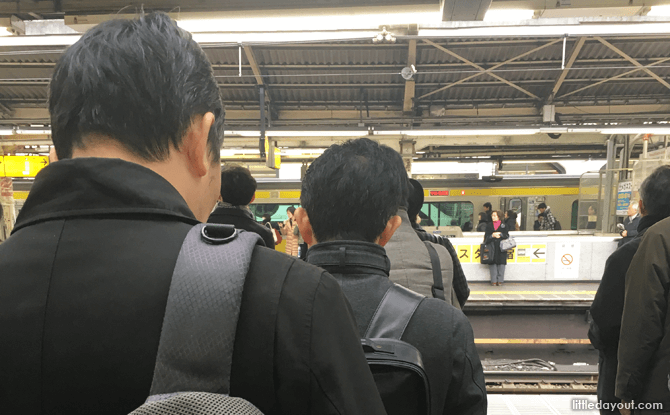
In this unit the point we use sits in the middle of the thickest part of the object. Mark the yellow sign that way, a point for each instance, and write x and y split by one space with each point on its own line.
22 166
523 254
270 150
464 253
538 253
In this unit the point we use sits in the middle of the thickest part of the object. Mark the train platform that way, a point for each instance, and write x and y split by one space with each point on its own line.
523 292
551 404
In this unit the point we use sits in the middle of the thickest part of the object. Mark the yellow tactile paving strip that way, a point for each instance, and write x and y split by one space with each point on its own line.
532 295
532 341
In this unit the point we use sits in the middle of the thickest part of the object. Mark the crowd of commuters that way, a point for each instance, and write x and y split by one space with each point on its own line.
88 268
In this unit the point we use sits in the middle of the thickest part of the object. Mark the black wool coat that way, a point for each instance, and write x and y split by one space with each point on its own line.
85 279
499 257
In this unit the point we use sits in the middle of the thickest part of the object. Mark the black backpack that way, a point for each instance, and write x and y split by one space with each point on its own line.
396 366
557 226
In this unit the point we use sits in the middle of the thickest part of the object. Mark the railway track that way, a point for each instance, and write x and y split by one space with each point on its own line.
541 382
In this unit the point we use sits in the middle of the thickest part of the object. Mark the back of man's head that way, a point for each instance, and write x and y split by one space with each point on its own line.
488 206
352 190
238 186
415 200
141 82
655 193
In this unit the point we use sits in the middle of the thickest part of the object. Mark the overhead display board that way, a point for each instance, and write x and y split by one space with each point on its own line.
22 166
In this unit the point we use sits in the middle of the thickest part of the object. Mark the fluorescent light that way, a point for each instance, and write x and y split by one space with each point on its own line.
418 133
302 151
542 29
32 132
315 20
659 11
271 134
508 15
637 130
286 37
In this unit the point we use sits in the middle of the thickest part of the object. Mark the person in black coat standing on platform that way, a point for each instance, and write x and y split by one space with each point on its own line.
608 304
238 189
350 197
496 231
510 221
85 276
483 221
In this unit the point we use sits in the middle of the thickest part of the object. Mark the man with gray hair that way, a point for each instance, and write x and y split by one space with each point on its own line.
630 224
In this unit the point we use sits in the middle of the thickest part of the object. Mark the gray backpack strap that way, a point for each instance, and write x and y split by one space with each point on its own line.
393 313
196 345
438 285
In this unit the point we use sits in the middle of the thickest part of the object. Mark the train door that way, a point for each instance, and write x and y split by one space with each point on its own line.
516 205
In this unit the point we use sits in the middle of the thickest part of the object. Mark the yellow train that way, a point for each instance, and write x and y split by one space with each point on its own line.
452 202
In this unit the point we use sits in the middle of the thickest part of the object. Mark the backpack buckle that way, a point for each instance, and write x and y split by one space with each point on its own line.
218 234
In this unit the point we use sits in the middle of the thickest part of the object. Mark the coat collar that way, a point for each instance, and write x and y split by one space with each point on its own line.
100 186
230 210
350 257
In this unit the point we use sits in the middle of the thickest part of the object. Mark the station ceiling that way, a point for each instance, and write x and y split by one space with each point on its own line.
460 83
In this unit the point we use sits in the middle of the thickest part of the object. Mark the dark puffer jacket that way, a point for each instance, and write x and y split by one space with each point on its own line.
644 347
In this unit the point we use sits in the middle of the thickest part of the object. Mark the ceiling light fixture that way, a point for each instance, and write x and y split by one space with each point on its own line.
508 15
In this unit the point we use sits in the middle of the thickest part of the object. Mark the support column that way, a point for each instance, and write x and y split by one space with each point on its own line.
609 184
407 152
7 205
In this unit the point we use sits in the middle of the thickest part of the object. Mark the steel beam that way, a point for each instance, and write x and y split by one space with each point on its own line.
633 61
573 58
248 51
457 56
613 78
410 84
491 69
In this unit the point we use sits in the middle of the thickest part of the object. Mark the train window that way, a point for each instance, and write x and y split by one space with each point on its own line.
446 213
574 215
276 210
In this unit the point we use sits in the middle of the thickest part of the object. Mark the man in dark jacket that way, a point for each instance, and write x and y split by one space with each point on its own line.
608 304
630 223
238 189
137 121
644 340
347 223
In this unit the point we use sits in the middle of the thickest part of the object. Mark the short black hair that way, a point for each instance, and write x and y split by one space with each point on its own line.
542 206
140 81
353 189
655 192
415 200
237 185
488 206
